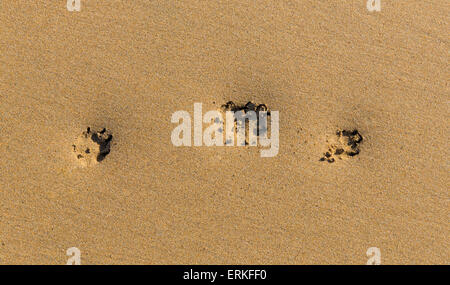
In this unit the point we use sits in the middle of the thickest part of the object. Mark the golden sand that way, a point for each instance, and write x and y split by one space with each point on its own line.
128 65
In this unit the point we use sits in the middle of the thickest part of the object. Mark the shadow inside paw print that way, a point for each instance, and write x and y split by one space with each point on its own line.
103 139
92 146
345 144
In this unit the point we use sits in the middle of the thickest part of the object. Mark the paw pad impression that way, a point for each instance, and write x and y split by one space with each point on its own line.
92 147
344 145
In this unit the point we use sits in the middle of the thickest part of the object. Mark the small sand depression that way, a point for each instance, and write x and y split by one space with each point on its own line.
343 145
91 147
250 106
262 127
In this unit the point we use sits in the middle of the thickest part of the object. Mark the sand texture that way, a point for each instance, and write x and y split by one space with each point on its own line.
135 198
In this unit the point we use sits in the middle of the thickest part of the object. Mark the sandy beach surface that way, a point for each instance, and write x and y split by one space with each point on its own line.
127 66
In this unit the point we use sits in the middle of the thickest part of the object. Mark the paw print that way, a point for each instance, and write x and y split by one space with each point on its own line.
249 106
92 147
344 145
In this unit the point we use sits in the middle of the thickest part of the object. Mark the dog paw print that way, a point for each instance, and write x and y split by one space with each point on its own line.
92 147
261 126
343 145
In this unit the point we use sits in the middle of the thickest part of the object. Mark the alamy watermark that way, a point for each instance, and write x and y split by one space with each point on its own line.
235 129
75 256
374 5
374 254
73 5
